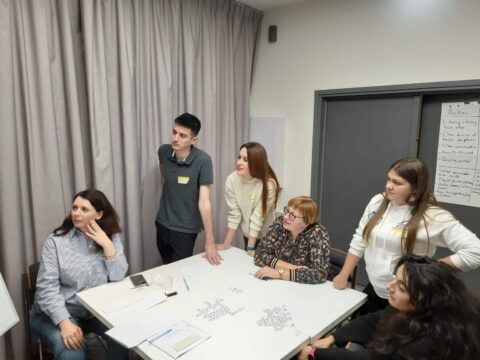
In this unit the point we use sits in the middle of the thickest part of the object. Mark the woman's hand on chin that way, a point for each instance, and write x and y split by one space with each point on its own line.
96 233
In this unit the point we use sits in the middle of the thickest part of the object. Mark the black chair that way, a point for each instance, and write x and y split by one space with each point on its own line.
35 350
337 259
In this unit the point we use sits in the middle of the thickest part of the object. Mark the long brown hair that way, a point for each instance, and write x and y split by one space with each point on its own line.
108 222
414 171
260 168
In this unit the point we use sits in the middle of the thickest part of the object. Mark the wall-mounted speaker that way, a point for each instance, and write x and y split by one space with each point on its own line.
272 33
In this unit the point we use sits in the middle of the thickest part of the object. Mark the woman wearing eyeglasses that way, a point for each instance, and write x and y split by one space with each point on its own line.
251 193
296 247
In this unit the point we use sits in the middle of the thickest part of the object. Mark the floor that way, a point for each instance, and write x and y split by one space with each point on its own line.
96 350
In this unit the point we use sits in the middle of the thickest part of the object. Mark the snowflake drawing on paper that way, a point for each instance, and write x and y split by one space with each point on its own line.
278 317
236 290
216 310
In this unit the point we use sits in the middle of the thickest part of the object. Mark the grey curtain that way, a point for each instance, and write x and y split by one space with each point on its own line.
89 91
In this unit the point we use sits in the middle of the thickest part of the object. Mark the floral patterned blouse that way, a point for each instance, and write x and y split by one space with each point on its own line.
311 248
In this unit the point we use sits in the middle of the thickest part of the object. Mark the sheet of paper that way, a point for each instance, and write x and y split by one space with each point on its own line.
138 300
178 339
8 315
457 177
140 326
189 271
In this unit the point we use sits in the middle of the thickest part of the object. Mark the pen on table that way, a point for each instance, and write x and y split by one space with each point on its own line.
159 335
186 284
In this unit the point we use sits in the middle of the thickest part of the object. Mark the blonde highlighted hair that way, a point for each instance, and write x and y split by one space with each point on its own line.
307 207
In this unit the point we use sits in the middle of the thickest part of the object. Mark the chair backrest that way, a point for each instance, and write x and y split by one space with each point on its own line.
32 280
29 285
337 259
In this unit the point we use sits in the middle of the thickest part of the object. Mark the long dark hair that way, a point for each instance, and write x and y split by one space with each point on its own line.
109 221
445 314
415 171
260 168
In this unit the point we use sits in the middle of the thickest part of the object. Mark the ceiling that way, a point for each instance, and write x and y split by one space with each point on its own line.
268 4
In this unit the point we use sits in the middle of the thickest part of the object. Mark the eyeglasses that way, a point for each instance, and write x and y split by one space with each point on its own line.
290 214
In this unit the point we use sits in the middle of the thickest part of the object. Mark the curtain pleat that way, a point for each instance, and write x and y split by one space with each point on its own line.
42 138
90 89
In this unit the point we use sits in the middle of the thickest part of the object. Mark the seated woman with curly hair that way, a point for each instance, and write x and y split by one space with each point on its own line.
431 316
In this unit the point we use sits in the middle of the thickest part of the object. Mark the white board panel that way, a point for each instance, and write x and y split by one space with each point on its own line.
8 315
270 132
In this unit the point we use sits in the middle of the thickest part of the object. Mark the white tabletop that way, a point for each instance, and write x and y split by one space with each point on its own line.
247 318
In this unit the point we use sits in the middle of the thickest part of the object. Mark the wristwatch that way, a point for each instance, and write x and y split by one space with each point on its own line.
281 271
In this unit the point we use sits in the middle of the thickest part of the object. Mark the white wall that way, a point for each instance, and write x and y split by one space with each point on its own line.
270 132
328 44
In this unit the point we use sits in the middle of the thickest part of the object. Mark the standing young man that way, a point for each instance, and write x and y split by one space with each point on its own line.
185 206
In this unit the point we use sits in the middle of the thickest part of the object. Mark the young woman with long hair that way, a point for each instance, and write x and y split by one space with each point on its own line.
405 220
431 316
251 193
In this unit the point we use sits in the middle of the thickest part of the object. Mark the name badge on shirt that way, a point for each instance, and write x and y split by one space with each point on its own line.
183 179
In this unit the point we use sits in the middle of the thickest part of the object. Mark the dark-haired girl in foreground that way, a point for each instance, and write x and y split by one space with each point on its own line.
84 252
431 316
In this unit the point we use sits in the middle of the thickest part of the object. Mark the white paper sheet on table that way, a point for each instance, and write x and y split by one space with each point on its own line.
139 299
189 271
140 327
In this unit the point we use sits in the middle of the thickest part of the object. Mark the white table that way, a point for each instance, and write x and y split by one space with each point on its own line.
256 329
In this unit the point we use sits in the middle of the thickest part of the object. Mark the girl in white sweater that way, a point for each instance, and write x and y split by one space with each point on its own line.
405 220
251 193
